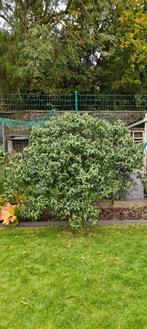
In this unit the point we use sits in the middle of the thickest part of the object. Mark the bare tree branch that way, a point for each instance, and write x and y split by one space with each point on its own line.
46 7
5 18
68 6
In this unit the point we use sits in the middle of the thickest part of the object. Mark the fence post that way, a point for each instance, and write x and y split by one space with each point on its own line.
76 101
145 140
3 137
4 147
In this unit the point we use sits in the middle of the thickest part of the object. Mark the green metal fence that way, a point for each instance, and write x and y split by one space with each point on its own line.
20 113
72 102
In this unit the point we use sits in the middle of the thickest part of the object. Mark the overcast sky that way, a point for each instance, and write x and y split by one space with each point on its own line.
61 6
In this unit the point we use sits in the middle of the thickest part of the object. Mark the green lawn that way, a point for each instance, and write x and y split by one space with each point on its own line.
51 279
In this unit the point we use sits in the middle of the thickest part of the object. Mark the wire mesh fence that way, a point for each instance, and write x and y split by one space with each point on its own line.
47 102
19 113
72 102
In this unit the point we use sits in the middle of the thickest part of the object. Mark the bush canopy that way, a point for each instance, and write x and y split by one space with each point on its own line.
71 163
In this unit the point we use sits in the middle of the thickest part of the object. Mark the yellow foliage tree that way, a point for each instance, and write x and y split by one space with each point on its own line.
131 51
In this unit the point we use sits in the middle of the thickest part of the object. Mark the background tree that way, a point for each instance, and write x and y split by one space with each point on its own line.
131 52
89 45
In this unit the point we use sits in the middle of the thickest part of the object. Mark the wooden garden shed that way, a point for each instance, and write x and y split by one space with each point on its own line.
138 130
17 143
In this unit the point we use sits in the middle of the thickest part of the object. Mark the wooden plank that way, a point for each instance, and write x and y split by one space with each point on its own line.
122 204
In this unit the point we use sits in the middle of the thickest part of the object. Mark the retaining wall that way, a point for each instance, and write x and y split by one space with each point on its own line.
125 116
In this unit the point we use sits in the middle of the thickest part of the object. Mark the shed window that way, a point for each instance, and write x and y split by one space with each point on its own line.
137 135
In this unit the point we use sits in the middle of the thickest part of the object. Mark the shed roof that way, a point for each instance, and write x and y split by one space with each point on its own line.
136 123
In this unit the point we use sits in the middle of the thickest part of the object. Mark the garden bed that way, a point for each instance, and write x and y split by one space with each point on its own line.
122 214
123 210
109 210
115 210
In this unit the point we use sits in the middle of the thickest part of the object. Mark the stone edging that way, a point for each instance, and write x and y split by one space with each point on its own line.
66 224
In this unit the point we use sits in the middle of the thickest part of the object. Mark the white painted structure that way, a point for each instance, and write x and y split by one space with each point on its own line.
138 130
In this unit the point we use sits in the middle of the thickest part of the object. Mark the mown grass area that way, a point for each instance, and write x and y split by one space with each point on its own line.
94 279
